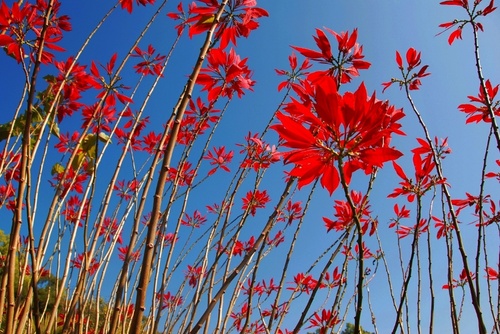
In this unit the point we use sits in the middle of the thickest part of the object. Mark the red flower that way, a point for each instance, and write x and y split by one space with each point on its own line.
239 19
349 56
219 158
404 231
255 200
193 274
492 274
240 316
337 278
126 191
181 15
21 29
295 74
304 283
366 253
409 78
493 174
127 4
259 154
67 143
150 142
110 89
168 300
134 256
472 12
345 217
326 321
182 176
109 229
6 192
226 74
352 128
422 183
461 281
442 226
195 221
92 264
292 212
74 80
72 182
150 64
218 209
481 112
72 211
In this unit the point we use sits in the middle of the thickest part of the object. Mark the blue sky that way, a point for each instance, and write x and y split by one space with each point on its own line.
383 27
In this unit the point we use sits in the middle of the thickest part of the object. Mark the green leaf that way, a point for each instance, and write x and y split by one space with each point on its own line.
57 169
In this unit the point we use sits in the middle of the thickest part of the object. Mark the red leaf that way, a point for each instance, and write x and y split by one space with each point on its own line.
399 60
5 39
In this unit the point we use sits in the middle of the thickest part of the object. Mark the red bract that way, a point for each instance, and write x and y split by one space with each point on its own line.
193 274
194 221
73 80
255 200
470 201
295 74
91 266
73 212
168 300
238 19
324 322
365 251
335 280
481 112
345 217
151 65
134 256
182 16
198 118
219 158
259 154
226 74
443 227
218 209
126 191
492 217
461 281
6 193
276 240
67 143
349 56
404 231
473 13
150 142
98 118
494 174
21 29
127 4
72 182
351 129
440 147
422 183
240 316
291 212
303 283
410 79
110 88
492 274
182 176
109 229
461 3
